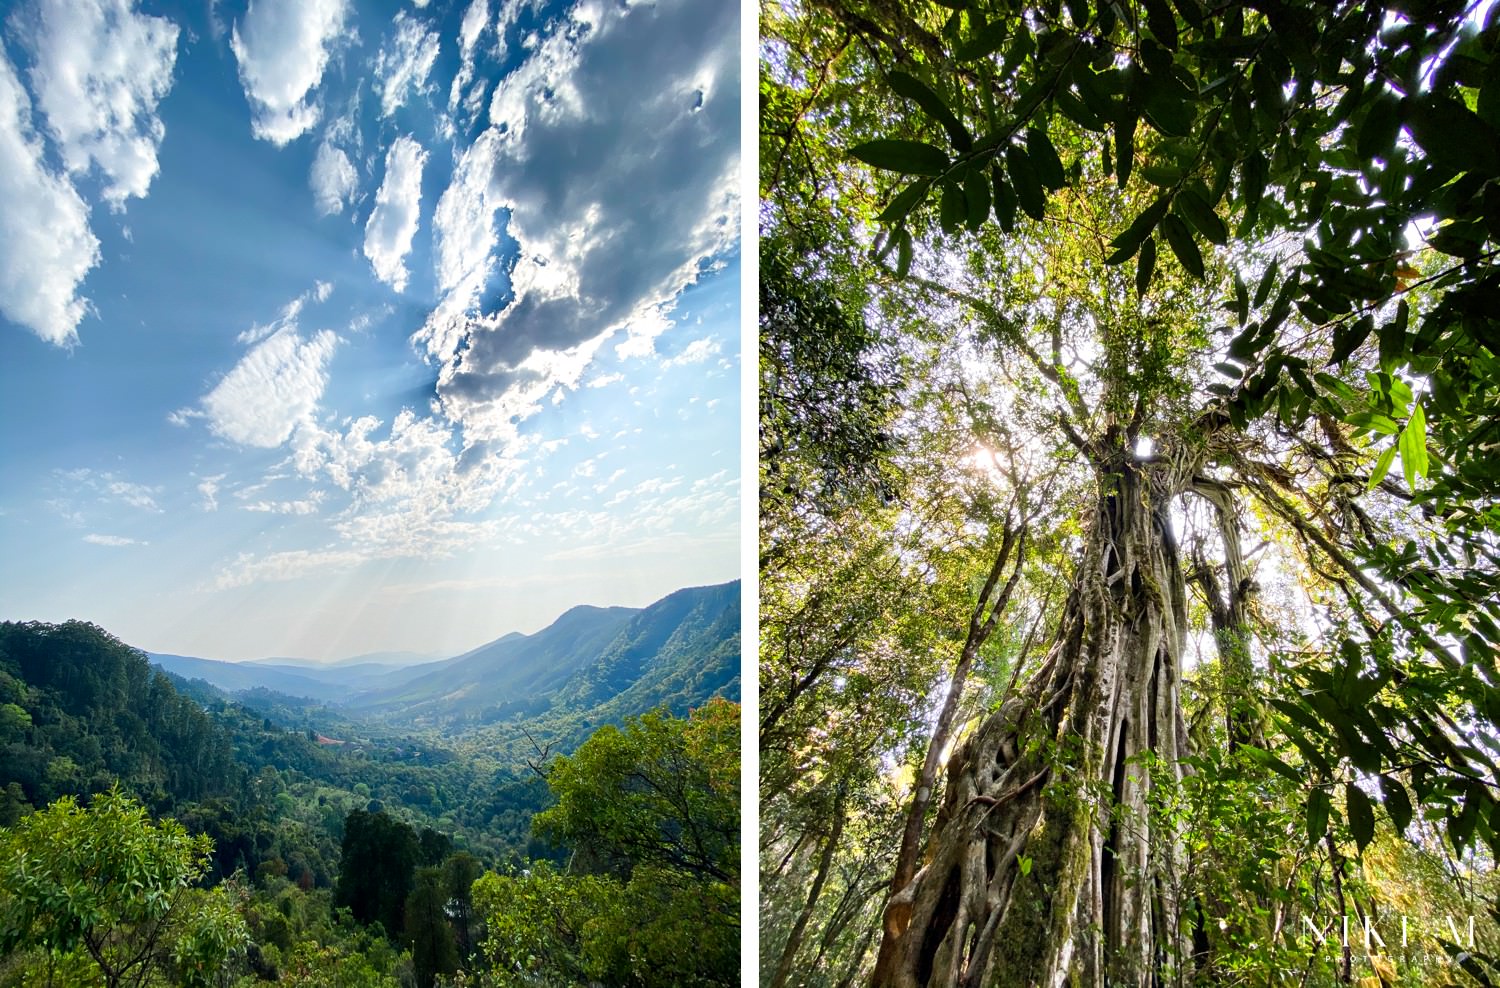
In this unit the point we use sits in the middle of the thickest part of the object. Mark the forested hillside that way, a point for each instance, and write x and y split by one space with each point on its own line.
314 846
1129 402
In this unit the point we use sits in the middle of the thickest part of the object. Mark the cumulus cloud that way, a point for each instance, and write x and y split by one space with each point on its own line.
615 150
282 47
333 180
111 540
398 207
100 70
274 388
46 246
404 62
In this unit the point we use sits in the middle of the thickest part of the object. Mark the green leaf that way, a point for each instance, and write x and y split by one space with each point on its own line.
1377 135
955 210
977 195
1347 337
1191 206
1267 279
1145 266
1141 227
1253 175
1167 112
908 157
1124 148
1163 175
1382 467
1361 815
1078 111
1396 803
905 201
1028 187
1317 815
1181 242
1452 135
1375 421
903 253
1413 446
918 92
1241 299
1393 337
1049 168
1162 23
1005 200
990 39
1234 371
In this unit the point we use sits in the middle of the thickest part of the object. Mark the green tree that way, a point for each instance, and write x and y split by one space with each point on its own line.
380 854
651 896
433 951
106 888
662 791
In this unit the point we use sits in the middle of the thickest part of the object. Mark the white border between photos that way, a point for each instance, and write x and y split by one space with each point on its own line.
749 496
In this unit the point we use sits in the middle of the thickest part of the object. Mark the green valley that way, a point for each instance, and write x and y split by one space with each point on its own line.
545 809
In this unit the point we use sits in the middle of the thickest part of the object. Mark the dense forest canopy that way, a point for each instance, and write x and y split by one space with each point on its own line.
161 834
1130 588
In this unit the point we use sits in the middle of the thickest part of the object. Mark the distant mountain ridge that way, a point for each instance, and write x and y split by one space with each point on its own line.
592 662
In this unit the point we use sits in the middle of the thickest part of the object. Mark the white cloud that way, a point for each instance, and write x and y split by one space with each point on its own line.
694 353
111 540
280 566
274 388
333 180
100 71
393 222
303 506
135 495
287 318
615 148
46 247
476 19
208 487
403 64
282 47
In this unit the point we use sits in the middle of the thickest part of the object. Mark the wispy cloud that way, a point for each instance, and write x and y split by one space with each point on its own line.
694 353
117 541
404 62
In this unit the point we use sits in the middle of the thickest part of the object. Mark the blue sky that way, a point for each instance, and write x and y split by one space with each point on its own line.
328 328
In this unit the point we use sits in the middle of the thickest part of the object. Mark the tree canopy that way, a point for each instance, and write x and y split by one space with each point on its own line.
1133 649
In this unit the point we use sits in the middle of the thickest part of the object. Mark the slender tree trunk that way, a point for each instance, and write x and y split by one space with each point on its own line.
982 623
1043 867
1229 612
794 939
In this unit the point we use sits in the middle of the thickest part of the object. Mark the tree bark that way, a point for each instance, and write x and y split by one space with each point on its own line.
1043 867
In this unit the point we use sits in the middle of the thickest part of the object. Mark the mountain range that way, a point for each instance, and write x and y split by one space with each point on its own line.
594 662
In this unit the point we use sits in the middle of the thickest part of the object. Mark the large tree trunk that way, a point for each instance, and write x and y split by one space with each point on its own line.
1043 866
